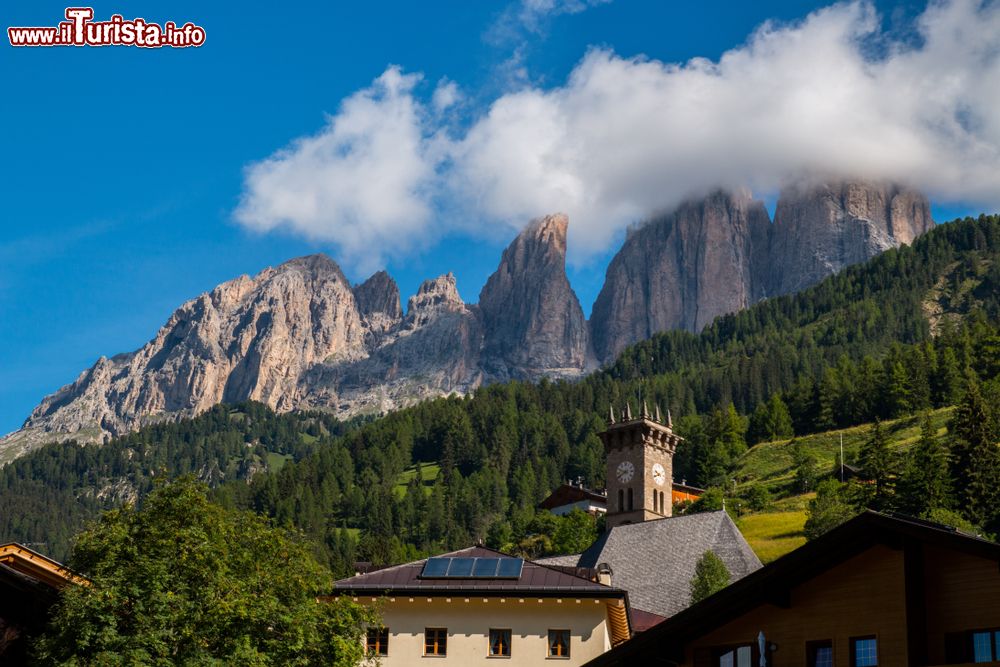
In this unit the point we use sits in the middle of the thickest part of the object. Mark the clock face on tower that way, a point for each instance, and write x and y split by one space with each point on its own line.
659 474
625 472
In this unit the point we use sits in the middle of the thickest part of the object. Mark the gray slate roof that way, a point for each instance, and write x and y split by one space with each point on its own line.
655 560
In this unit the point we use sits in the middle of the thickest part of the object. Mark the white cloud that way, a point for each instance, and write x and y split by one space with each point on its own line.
532 13
446 95
364 182
626 136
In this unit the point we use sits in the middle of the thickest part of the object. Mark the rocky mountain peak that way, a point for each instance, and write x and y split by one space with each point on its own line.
437 293
316 265
824 225
681 270
531 317
379 294
378 305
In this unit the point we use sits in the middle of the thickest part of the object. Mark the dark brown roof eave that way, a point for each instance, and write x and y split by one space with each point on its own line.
443 591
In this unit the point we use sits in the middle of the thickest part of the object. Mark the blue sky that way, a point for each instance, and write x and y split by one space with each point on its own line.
122 167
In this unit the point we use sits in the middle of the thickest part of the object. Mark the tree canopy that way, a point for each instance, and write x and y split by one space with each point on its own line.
710 576
181 580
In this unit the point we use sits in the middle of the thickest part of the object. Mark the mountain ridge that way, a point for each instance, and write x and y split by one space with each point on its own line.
300 336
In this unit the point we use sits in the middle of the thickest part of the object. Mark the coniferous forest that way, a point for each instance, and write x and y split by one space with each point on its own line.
911 331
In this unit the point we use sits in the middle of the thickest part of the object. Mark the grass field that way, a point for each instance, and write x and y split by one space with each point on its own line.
428 471
773 534
276 461
772 464
779 530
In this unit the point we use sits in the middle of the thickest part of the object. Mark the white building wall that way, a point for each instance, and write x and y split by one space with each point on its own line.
469 620
588 506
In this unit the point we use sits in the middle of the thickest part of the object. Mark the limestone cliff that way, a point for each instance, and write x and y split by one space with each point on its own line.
821 227
532 320
248 338
682 270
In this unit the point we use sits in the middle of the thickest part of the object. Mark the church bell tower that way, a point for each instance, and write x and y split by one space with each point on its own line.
640 455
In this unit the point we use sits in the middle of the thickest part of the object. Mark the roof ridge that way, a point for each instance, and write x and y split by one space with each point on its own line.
556 568
450 554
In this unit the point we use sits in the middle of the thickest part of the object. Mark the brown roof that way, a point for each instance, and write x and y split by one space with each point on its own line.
536 580
567 494
644 620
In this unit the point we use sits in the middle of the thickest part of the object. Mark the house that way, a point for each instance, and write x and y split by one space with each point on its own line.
29 586
878 590
471 606
569 497
647 551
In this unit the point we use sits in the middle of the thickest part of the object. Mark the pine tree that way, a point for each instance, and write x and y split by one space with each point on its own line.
982 495
947 381
898 395
974 424
828 509
926 483
827 394
710 576
977 464
770 421
877 461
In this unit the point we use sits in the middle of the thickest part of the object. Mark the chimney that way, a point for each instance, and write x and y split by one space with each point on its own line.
604 574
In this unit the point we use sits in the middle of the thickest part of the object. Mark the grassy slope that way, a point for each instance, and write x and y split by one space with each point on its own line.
780 529
775 533
428 472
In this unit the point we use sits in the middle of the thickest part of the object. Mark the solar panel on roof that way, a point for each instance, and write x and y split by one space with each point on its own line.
461 567
436 567
510 568
472 568
485 567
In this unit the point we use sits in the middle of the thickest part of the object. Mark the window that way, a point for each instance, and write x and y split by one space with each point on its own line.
982 647
631 505
735 656
974 646
500 642
662 505
621 500
864 652
559 643
435 641
819 653
378 641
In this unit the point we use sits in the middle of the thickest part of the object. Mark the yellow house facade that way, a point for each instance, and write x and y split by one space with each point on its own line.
475 615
